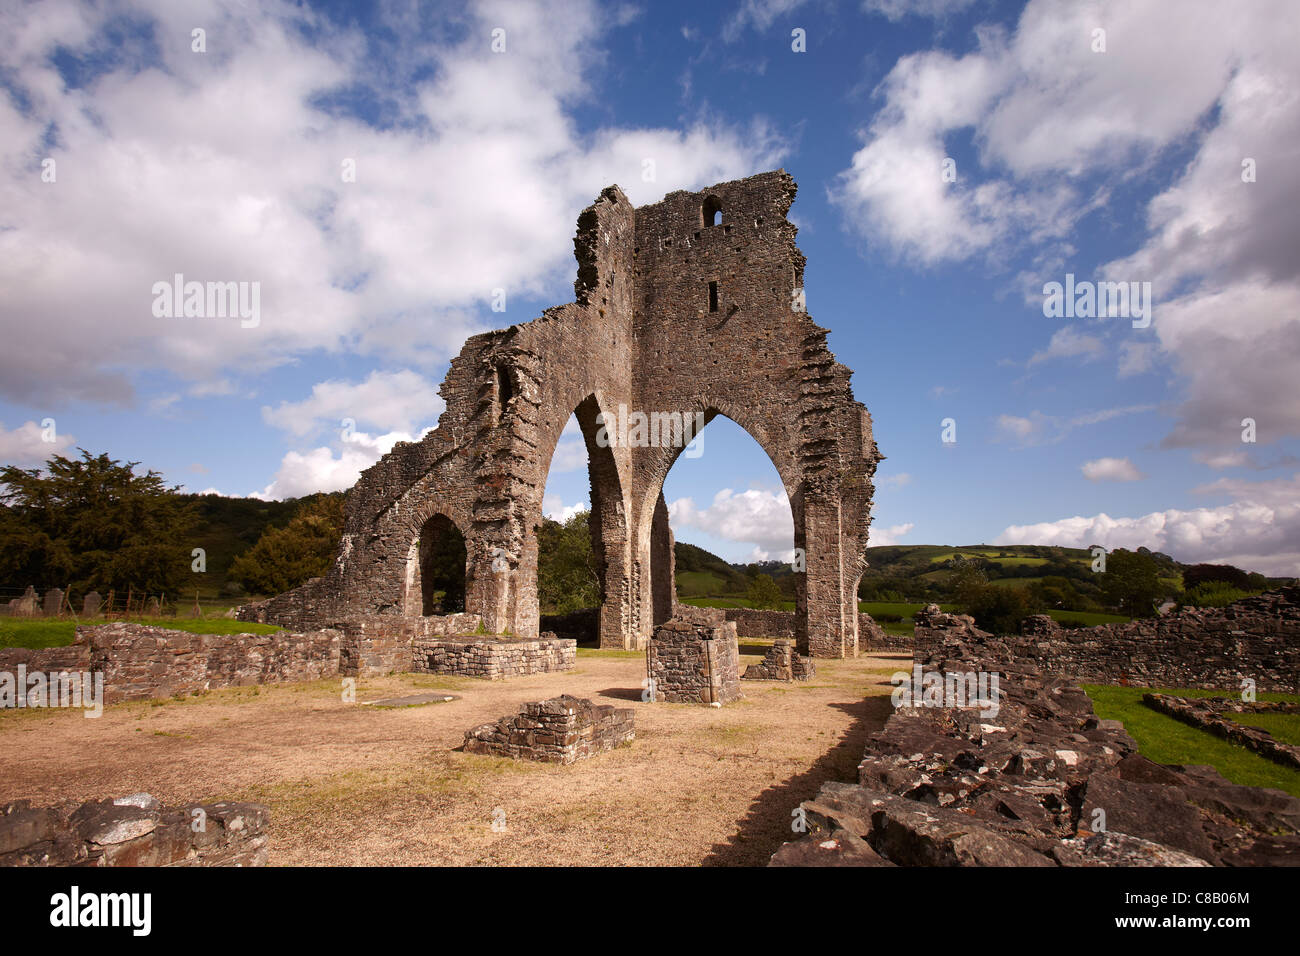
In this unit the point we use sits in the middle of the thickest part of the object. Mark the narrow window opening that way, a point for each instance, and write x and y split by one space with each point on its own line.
505 389
713 297
711 211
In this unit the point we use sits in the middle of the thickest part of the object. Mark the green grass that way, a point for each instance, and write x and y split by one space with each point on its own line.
1165 740
56 632
1285 728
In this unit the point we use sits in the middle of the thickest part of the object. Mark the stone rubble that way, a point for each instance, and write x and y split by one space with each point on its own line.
954 786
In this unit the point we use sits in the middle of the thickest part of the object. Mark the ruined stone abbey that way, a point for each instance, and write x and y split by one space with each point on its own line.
690 306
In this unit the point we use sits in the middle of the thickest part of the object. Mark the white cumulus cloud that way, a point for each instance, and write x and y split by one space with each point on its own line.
1111 469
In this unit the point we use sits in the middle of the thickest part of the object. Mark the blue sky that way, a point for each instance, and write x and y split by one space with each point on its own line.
1111 156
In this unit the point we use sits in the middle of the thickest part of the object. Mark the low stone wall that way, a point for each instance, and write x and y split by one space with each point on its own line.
133 831
494 658
1207 713
561 730
1212 648
1035 780
695 663
781 663
139 662
780 624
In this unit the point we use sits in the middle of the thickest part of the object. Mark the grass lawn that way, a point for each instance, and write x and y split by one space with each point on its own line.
1165 740
35 632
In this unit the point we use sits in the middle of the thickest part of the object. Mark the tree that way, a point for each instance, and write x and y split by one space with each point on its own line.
1131 582
94 524
284 558
1213 594
763 593
1194 574
566 566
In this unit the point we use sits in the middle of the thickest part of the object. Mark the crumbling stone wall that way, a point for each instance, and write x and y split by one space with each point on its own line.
1257 638
781 662
561 730
133 831
695 663
494 658
675 314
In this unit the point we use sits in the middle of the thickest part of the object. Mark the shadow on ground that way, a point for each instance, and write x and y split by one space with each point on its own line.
767 823
622 693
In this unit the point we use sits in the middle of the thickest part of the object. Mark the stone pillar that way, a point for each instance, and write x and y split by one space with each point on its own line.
824 579
695 663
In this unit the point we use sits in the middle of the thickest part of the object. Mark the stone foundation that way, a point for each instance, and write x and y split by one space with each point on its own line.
494 658
1214 648
561 730
133 831
694 663
1208 713
781 663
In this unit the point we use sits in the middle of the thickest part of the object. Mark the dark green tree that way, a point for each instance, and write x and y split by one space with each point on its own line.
1131 582
763 593
284 558
93 523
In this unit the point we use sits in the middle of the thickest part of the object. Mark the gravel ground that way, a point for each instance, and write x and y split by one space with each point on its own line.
359 785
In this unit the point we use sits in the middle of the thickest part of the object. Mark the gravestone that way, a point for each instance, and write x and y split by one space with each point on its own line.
53 602
90 604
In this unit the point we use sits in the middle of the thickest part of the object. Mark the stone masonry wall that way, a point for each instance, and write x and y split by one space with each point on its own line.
695 663
141 662
1257 637
133 831
561 730
494 658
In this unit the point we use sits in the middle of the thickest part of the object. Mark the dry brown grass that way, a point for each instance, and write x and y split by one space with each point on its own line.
356 785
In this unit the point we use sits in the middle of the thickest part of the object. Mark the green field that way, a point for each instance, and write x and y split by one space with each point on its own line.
56 632
1165 740
1011 561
